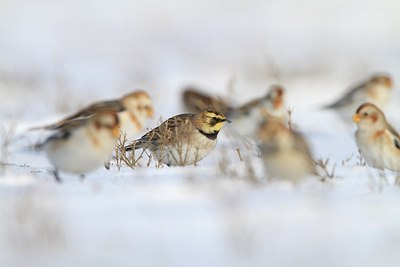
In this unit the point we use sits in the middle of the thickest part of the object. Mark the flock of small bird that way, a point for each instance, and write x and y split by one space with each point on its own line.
84 141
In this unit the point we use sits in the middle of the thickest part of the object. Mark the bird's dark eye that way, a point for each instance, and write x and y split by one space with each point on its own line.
365 114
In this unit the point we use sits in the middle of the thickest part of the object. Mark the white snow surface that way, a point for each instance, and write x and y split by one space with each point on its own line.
57 56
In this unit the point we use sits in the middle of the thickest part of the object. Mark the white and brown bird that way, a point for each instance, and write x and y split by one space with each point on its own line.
377 141
285 153
82 145
133 109
184 139
375 90
245 118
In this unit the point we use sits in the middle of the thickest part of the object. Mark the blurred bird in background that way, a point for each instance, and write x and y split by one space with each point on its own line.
285 153
195 100
80 146
246 118
132 109
375 90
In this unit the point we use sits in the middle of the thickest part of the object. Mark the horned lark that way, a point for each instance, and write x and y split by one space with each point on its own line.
246 118
285 153
133 109
183 139
196 101
377 141
82 145
375 90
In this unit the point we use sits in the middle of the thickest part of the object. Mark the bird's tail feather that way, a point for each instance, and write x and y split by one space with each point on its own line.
135 145
48 127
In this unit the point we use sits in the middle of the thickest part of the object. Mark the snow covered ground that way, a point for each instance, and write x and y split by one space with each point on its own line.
57 56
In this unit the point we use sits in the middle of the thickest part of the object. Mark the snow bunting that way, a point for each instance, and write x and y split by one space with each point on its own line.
133 109
82 145
247 118
196 101
285 153
375 90
183 139
377 141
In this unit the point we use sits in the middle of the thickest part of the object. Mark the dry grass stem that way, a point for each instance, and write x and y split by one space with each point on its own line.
246 172
239 154
360 160
322 169
290 118
7 135
347 160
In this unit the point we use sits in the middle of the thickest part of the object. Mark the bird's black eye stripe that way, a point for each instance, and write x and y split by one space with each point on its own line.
215 120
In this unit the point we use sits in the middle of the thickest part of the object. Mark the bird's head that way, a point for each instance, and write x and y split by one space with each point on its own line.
211 121
139 103
369 117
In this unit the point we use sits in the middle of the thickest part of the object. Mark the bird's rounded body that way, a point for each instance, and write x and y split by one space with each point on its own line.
187 151
377 154
285 153
80 154
83 147
184 139
287 164
378 142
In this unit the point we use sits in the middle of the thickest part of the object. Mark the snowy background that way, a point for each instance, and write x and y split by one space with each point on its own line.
57 56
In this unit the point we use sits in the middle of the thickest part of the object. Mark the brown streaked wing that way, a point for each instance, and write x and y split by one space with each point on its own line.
168 129
396 135
111 105
348 97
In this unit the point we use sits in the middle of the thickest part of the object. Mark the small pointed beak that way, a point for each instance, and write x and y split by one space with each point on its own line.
228 121
278 102
356 118
389 83
150 113
115 131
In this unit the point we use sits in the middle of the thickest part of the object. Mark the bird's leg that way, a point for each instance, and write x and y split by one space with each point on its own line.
82 177
107 165
397 181
383 177
56 176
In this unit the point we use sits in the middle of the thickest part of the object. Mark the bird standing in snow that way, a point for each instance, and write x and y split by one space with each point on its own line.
285 153
377 141
184 139
82 145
